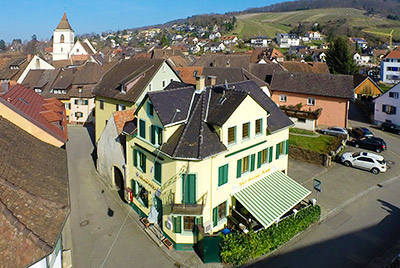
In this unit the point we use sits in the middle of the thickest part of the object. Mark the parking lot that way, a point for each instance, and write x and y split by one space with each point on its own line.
341 185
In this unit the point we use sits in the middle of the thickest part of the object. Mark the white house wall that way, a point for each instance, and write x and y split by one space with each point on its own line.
384 99
35 64
110 152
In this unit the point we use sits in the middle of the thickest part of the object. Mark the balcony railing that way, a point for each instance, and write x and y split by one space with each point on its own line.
181 208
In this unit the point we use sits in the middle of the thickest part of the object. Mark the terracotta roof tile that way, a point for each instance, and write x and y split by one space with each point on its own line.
121 117
395 54
30 105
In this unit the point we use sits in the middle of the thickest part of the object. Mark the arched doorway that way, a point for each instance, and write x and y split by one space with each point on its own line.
119 182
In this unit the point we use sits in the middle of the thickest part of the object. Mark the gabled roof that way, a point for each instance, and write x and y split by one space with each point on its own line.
64 24
265 71
306 67
188 74
123 72
34 200
12 68
394 54
329 85
199 111
32 106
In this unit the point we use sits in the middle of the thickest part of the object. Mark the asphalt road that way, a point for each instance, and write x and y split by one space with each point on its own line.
350 239
96 238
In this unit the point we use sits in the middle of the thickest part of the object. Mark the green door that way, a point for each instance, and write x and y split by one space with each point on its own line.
189 189
159 208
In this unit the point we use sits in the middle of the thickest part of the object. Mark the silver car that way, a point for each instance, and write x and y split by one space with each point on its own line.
335 131
364 160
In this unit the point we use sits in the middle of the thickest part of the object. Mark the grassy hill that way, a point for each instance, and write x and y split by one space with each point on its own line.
348 21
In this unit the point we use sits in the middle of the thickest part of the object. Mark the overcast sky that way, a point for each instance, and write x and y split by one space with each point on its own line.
21 19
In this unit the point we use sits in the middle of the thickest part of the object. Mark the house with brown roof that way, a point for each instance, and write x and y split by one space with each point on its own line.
43 118
306 67
82 50
73 86
230 60
111 147
34 199
126 84
325 96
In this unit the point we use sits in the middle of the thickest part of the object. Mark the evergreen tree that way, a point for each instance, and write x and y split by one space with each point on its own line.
2 45
339 59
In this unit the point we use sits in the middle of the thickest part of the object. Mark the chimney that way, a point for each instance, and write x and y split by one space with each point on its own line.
213 80
200 82
228 64
28 57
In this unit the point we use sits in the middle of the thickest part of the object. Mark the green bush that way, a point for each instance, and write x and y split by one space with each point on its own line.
238 248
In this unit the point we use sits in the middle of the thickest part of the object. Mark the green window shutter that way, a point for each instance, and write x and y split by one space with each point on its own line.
135 157
153 134
252 162
239 168
192 188
133 187
142 129
157 172
86 102
76 102
277 151
223 175
259 159
144 163
215 216
177 224
287 147
270 158
220 175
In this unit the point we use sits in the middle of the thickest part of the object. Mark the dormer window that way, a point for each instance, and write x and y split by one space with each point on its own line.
123 89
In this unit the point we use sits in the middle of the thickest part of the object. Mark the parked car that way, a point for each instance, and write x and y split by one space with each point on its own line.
361 132
335 131
373 143
387 126
368 161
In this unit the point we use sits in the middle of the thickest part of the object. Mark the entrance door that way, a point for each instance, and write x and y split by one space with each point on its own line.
119 182
159 209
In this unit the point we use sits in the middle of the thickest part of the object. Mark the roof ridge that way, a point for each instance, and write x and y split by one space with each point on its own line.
190 119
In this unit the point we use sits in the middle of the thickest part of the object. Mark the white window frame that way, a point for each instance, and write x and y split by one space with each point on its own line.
311 101
283 98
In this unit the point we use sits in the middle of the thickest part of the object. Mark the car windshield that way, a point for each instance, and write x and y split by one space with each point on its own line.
355 155
381 162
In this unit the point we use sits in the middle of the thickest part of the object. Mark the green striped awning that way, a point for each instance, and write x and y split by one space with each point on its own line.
271 197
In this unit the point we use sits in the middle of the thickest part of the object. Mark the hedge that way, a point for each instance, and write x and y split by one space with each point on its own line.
238 248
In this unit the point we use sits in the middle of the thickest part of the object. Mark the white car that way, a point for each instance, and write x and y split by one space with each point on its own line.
368 161
335 131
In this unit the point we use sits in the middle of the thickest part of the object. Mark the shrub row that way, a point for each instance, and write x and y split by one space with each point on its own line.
238 248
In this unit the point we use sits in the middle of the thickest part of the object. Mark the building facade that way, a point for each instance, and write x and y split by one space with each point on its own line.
390 68
386 106
196 150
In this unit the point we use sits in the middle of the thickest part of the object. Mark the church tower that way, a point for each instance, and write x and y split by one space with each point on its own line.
63 39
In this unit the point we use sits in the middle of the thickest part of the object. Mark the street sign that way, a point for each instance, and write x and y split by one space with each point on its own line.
317 185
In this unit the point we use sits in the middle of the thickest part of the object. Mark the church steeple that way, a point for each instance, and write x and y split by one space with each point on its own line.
64 24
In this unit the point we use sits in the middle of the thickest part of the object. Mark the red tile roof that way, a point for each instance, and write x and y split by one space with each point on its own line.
395 54
188 74
121 117
38 110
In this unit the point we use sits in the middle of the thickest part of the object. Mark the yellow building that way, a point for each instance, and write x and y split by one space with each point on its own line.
126 84
199 156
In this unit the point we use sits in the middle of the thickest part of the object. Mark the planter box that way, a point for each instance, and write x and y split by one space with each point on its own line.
145 222
168 243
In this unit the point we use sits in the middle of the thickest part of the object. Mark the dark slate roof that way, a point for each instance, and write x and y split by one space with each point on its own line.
124 71
265 71
176 84
329 85
201 110
195 139
130 127
166 104
34 201
230 74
